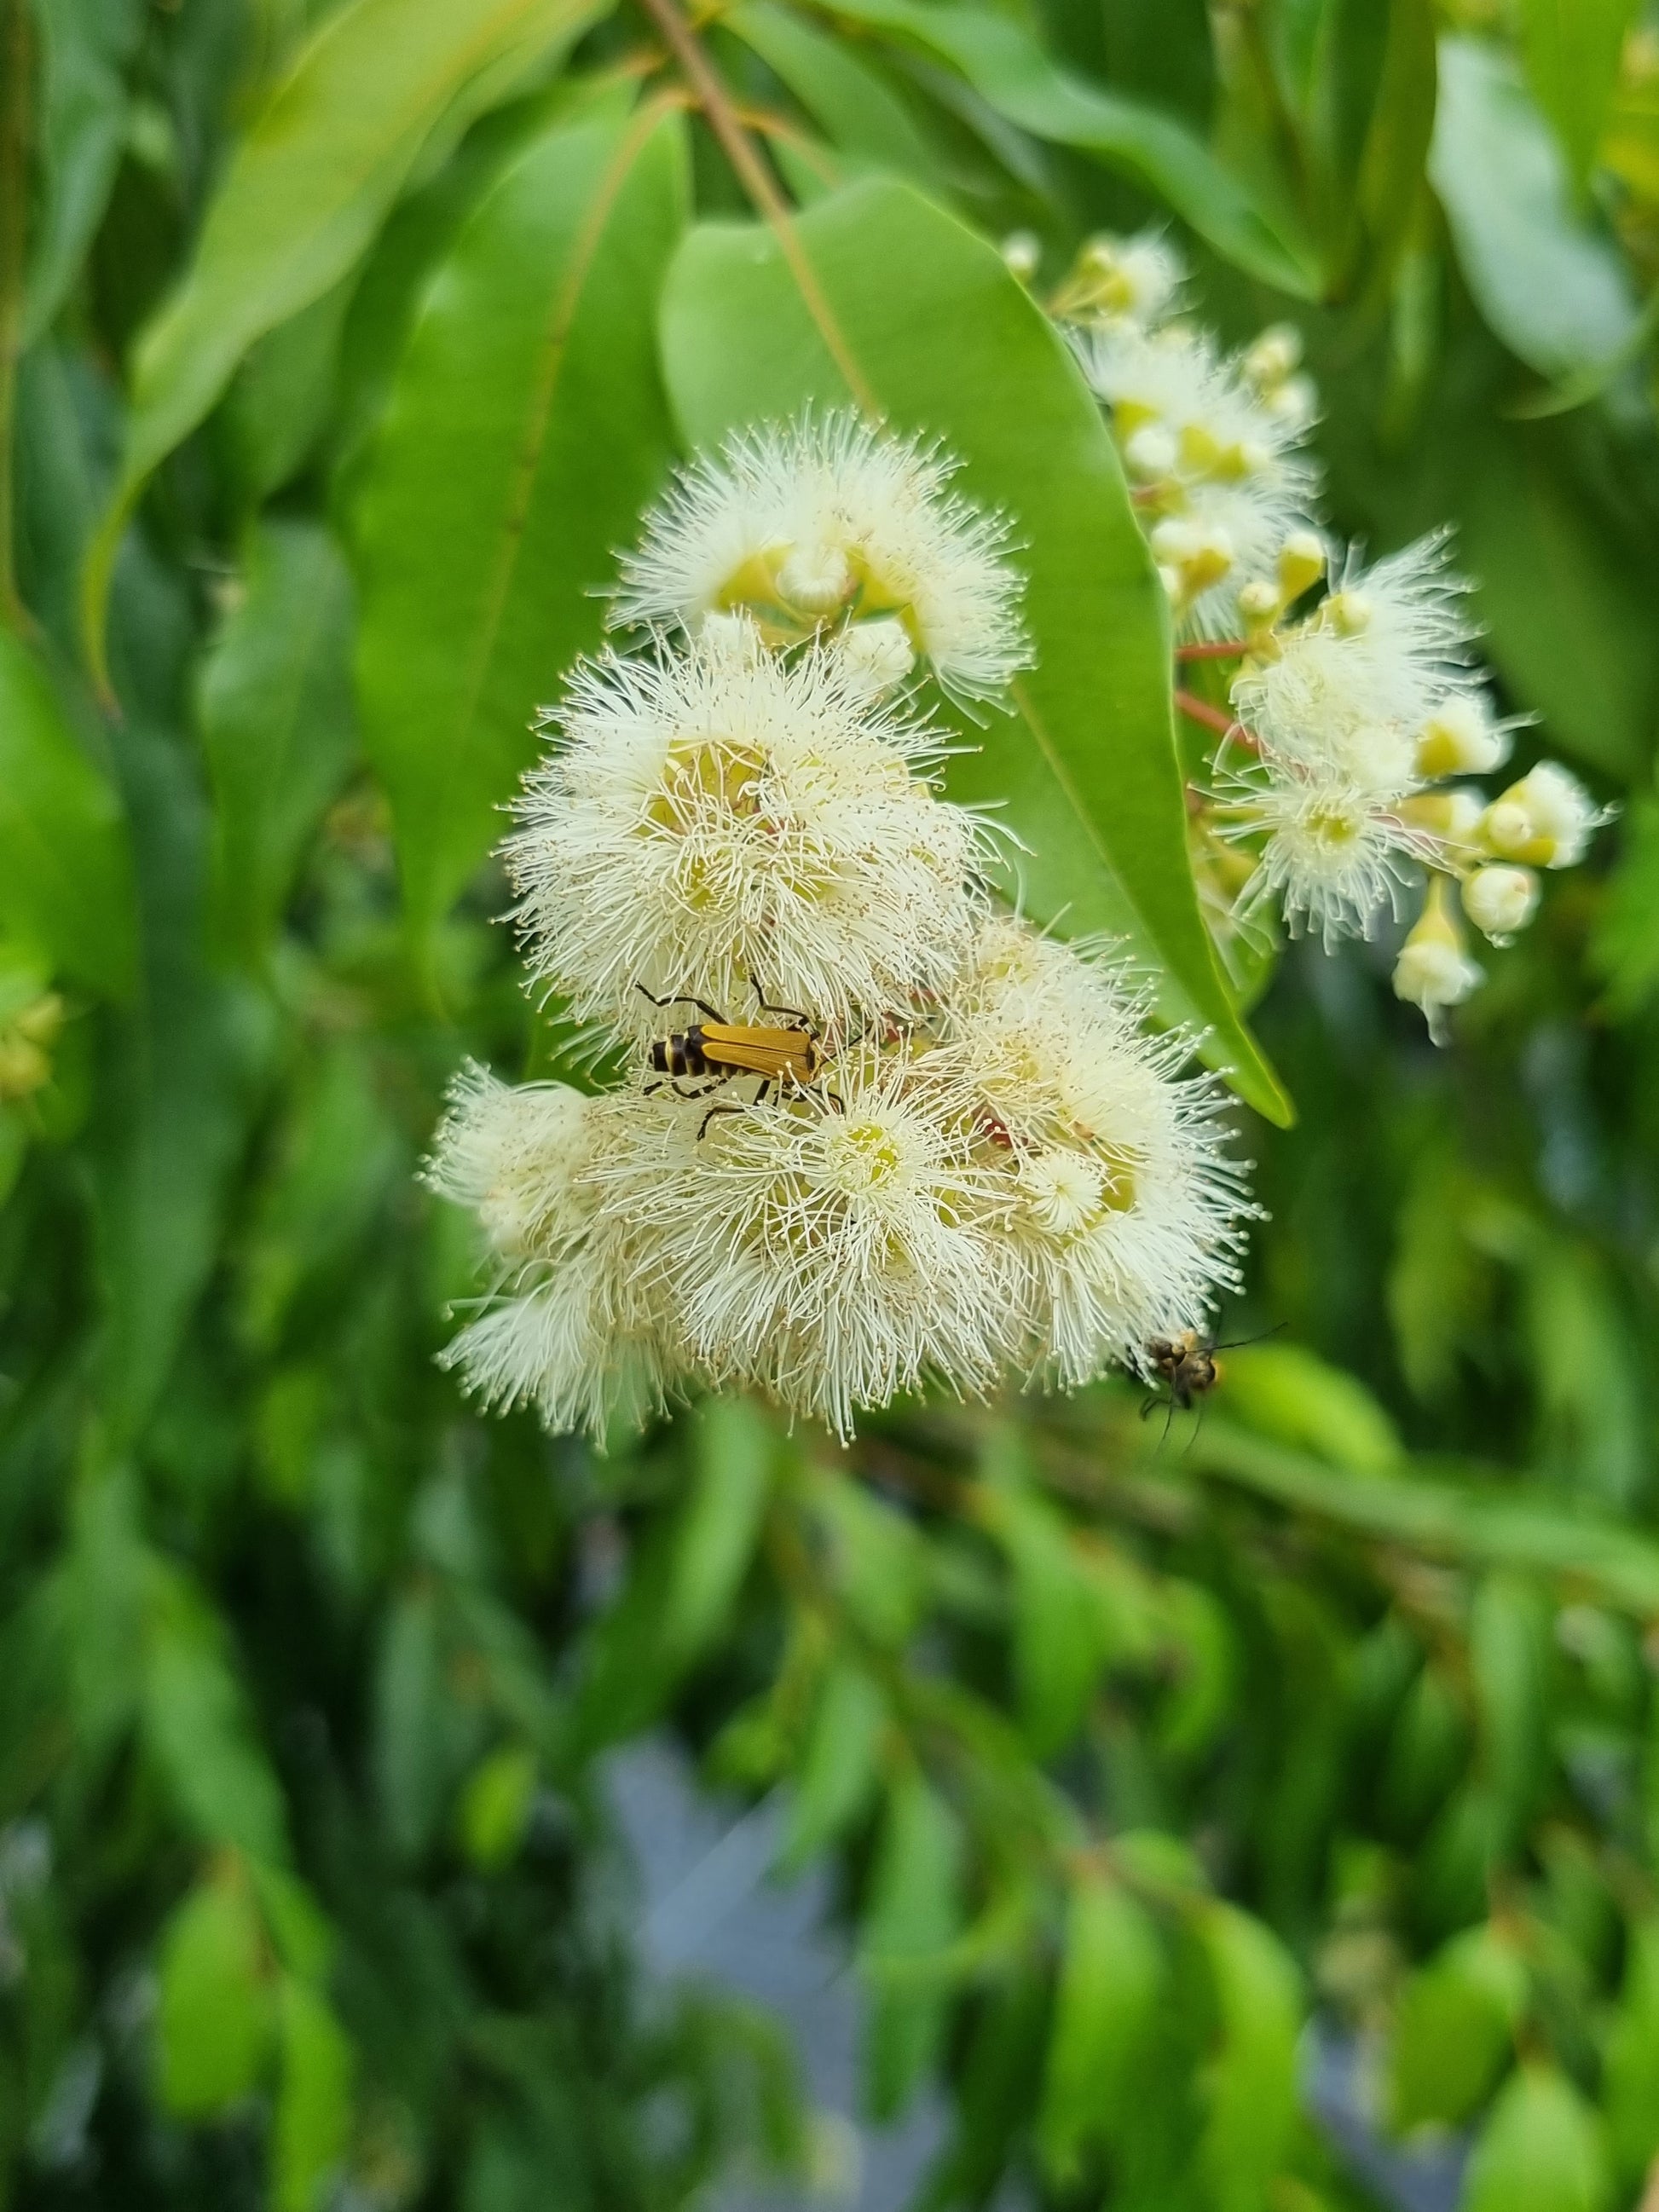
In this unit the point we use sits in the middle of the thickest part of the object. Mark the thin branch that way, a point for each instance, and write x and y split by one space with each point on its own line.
13 183
758 182
1226 648
1211 718
752 172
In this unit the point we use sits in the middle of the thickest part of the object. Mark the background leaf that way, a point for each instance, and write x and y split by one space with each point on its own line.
525 431
308 190
1005 65
65 868
1572 50
277 721
1550 286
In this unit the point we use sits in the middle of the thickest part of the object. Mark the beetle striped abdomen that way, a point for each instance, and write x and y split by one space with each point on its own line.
680 1054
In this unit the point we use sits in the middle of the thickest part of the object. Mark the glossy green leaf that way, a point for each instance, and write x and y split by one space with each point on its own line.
1005 64
1551 286
65 866
84 49
1541 2151
880 297
1573 49
912 1914
1251 2078
381 83
313 2117
525 431
277 723
1454 2031
214 2016
1112 1970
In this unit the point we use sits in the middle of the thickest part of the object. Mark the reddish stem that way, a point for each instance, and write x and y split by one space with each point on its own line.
1229 649
1211 718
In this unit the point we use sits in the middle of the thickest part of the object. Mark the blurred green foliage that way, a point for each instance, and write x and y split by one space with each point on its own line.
331 370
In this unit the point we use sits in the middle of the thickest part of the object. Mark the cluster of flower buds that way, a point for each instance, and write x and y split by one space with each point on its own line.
872 1131
1353 702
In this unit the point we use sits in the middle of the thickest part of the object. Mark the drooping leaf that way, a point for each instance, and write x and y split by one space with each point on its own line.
525 431
1005 64
734 1448
215 2015
85 46
199 1731
313 2116
912 1913
1631 2071
1551 286
1573 49
380 84
1251 2079
878 296
495 1806
1541 2151
838 1769
65 866
183 1067
277 724
1454 2031
1112 1968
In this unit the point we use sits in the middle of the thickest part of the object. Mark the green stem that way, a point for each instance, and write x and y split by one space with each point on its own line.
14 182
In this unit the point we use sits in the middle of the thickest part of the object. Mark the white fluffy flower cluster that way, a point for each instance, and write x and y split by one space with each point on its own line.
1344 728
1210 441
875 1131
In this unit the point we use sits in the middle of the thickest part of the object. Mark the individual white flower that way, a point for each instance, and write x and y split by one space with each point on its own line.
1218 467
879 655
513 1157
1499 900
1336 857
1546 820
1134 279
830 521
1124 1210
713 822
1434 971
579 1328
834 1255
1349 691
1462 737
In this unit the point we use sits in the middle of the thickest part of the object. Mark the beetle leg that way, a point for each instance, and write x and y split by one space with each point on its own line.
701 1093
767 1007
702 1126
682 999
